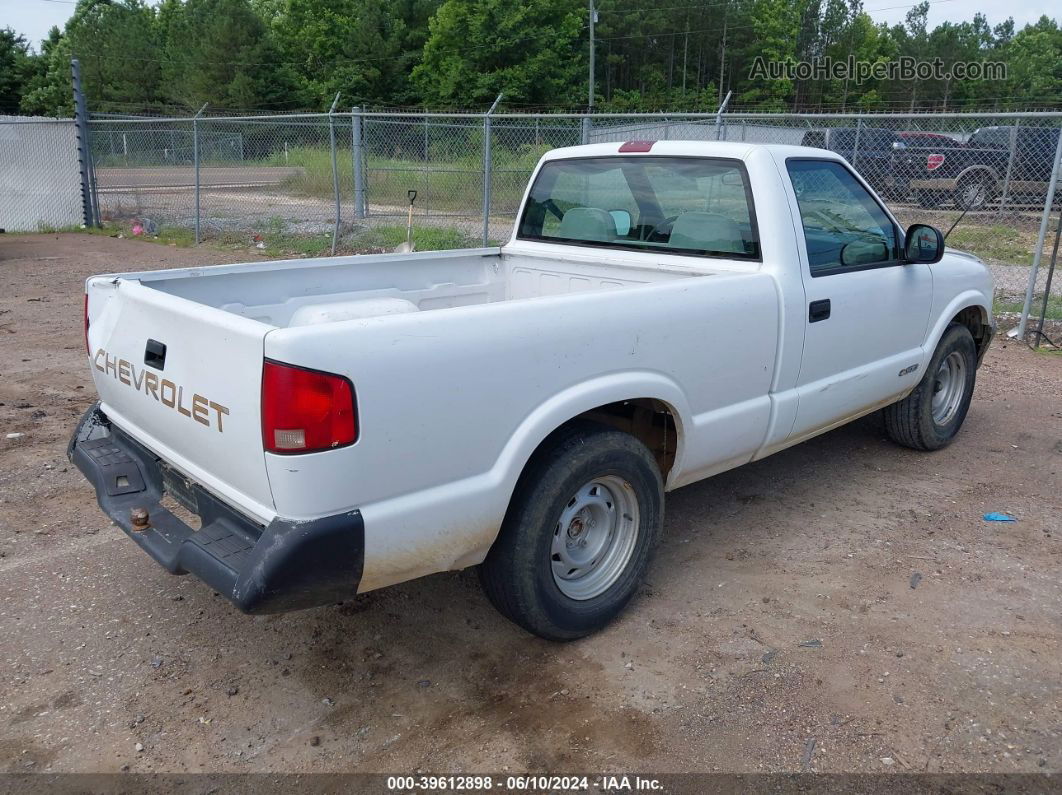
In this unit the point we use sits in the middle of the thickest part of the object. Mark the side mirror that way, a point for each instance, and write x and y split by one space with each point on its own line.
923 243
622 219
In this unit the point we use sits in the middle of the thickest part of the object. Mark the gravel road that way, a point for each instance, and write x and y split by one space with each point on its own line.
841 606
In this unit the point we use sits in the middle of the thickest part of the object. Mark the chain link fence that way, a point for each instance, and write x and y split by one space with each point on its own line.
313 183
40 175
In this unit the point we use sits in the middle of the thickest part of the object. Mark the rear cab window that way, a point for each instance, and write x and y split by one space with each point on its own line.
690 206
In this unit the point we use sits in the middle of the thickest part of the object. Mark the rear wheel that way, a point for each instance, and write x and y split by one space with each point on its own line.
930 417
579 533
974 191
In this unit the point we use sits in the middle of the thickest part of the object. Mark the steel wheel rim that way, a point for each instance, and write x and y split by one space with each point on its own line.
949 387
594 537
975 194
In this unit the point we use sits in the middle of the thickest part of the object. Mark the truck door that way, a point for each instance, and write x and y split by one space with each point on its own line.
867 311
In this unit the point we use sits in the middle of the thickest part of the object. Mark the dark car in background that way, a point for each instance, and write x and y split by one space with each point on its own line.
876 153
976 174
917 146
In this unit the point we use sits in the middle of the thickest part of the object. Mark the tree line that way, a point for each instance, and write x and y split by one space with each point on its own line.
665 55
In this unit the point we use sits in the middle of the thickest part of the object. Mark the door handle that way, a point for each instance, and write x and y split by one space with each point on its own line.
818 310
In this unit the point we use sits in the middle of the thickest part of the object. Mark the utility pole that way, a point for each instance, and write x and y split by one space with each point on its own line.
685 53
593 19
590 87
722 52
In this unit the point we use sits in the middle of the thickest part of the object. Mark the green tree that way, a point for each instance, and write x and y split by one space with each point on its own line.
355 47
775 26
1034 76
220 52
532 51
116 44
17 65
43 93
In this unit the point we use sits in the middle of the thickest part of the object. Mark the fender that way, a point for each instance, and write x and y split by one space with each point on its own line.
962 301
453 525
976 169
583 397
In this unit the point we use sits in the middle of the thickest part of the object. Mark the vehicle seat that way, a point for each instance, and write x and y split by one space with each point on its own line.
587 223
709 231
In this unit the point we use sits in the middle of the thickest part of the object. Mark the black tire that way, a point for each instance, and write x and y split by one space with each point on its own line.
974 191
911 421
518 573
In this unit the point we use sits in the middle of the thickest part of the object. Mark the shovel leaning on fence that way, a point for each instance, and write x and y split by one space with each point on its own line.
408 247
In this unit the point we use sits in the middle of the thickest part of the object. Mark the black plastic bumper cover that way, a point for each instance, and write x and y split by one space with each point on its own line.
285 565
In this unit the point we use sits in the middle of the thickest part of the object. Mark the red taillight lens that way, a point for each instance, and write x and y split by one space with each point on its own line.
87 349
934 162
305 411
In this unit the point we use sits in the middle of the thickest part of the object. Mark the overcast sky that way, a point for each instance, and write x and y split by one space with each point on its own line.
33 18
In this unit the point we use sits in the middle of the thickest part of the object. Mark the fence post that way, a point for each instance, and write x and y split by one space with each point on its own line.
426 203
1049 203
359 177
83 151
487 170
1047 285
335 168
95 193
195 161
584 134
1010 166
719 115
855 144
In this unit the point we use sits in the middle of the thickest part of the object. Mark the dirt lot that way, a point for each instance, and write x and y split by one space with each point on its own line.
784 626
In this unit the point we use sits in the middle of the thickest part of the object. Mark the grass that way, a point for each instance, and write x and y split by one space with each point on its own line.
1054 307
278 241
167 236
455 184
995 242
427 238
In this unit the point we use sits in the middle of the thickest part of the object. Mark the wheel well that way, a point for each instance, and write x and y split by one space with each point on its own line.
978 171
974 318
650 421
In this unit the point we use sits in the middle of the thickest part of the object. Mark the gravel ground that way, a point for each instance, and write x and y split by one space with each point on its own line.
841 606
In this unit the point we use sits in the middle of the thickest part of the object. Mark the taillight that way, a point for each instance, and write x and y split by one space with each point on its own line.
87 349
934 162
305 411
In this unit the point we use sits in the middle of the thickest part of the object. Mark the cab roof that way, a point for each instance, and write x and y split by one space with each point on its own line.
739 150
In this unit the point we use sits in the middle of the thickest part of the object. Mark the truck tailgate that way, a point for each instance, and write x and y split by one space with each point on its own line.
184 379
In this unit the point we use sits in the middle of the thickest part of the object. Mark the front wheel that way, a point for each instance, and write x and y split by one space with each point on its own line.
579 533
930 417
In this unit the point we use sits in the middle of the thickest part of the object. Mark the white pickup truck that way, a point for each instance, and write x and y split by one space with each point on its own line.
297 432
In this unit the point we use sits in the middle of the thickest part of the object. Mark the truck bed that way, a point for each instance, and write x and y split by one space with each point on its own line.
306 292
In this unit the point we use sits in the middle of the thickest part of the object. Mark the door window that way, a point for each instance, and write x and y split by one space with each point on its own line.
845 229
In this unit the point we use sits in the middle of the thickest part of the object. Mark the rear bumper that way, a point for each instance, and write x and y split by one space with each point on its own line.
285 565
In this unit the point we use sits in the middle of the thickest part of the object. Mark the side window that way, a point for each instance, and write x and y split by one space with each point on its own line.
844 227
